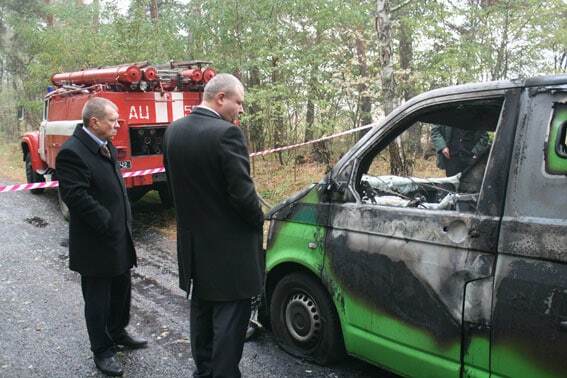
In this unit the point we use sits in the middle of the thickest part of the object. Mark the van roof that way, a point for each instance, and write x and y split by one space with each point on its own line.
546 80
489 86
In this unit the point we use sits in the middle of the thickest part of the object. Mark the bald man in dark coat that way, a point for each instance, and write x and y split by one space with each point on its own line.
219 225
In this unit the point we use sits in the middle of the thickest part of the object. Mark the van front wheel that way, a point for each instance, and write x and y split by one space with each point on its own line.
304 321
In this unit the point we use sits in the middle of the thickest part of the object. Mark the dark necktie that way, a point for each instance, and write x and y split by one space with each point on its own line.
104 151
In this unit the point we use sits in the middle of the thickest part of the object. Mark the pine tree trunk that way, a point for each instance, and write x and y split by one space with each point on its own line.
383 28
309 119
49 17
257 139
412 145
154 10
365 99
278 124
96 15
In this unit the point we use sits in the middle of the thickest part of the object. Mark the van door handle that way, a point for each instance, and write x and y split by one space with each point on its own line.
474 233
312 245
563 326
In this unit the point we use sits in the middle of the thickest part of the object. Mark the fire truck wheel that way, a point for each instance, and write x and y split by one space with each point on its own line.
63 206
32 176
165 196
136 193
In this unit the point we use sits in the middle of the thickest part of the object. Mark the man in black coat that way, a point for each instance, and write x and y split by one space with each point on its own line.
100 234
219 225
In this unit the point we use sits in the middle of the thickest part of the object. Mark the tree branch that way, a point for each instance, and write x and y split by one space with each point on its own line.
400 6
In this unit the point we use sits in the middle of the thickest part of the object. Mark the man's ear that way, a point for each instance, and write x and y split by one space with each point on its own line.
219 98
93 123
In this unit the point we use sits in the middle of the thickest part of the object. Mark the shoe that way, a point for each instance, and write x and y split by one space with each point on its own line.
131 342
109 366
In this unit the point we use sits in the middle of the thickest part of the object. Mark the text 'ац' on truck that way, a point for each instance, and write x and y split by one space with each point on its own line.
148 97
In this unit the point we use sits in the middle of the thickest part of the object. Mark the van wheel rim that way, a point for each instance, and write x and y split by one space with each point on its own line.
302 318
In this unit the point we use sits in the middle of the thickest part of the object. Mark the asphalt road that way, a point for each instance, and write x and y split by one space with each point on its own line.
42 330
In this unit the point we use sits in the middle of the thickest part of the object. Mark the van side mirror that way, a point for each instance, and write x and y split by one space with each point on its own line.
332 186
336 191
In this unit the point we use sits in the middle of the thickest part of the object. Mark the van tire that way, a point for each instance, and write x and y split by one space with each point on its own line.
304 320
32 176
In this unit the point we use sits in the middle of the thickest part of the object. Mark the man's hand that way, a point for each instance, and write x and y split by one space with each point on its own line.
446 153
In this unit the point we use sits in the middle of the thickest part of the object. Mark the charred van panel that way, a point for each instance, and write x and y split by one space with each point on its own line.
530 307
406 280
477 326
531 192
408 269
447 228
530 311
375 279
492 197
535 237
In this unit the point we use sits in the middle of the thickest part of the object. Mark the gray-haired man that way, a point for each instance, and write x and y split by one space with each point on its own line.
100 235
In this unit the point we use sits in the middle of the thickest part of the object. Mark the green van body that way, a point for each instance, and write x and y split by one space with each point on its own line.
435 292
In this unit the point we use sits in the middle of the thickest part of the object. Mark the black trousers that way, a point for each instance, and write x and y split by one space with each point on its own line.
218 330
457 164
107 310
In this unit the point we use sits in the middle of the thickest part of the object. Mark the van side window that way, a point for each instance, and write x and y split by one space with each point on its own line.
556 144
435 159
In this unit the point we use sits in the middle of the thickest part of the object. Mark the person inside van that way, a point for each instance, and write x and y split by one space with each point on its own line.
458 148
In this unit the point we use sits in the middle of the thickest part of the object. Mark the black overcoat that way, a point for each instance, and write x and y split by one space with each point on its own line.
219 218
100 234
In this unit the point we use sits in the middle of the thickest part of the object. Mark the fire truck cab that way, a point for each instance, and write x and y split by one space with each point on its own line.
148 98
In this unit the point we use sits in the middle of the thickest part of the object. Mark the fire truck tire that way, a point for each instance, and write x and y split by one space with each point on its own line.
32 176
135 194
165 196
63 206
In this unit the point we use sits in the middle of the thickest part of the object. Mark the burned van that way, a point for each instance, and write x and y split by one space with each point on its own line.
444 272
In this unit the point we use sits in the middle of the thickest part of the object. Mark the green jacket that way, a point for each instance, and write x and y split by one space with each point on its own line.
441 136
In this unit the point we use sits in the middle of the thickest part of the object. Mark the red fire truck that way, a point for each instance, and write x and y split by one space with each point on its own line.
148 97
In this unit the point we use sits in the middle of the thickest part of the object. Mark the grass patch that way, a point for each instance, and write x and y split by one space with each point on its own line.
276 182
12 167
150 213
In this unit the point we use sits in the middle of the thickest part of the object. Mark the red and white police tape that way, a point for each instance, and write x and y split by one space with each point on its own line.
55 184
342 133
35 185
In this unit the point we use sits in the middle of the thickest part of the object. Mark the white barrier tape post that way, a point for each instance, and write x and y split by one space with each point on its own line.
55 184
